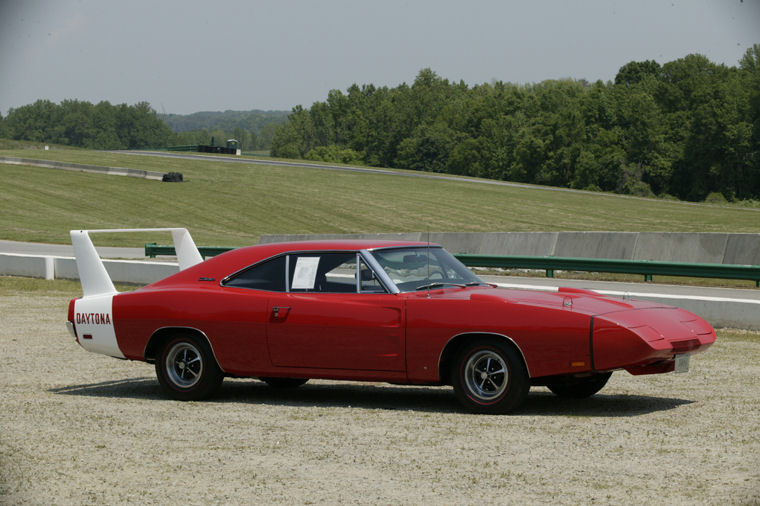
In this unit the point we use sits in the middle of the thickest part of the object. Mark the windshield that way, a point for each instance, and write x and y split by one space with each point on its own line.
423 267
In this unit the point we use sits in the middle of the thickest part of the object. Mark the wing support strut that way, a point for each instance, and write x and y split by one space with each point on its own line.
92 273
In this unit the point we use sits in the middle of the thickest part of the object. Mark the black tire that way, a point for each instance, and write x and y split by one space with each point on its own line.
570 387
187 370
284 382
490 377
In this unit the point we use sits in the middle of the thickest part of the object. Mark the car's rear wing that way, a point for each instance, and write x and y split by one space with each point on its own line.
92 273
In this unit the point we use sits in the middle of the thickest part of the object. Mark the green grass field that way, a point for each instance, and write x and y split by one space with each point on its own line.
232 204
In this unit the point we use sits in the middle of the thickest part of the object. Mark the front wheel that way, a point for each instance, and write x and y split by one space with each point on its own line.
489 376
571 387
187 370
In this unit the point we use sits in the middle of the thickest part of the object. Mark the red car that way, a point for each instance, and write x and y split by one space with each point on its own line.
400 312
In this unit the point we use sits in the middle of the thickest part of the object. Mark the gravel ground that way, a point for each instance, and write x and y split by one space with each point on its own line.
82 428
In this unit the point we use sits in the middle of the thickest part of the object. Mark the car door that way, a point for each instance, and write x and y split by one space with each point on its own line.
328 320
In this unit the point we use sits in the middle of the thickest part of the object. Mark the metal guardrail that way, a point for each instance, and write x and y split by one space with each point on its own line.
646 268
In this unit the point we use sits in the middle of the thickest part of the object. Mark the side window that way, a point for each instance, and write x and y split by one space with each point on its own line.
323 272
342 277
269 275
331 272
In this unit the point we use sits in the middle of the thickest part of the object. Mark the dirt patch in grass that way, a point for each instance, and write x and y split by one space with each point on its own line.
82 428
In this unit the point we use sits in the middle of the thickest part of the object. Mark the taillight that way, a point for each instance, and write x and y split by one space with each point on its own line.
70 325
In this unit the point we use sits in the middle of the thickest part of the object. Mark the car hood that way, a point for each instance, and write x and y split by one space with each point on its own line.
572 299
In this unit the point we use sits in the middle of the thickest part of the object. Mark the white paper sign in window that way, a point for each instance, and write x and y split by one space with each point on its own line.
305 274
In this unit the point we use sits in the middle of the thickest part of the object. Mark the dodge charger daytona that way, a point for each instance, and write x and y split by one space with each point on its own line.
369 310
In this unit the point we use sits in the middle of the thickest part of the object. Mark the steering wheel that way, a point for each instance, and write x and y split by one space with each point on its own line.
436 273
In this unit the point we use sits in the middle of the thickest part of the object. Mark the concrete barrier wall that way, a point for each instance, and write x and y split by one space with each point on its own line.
27 266
113 171
50 267
712 248
619 245
694 248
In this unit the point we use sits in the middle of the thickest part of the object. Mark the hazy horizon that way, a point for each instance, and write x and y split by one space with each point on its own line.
187 57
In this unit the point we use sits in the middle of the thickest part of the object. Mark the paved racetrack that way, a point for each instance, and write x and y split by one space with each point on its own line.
347 168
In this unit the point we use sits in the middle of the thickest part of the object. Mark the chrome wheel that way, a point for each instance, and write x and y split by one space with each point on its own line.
184 364
486 375
489 376
187 369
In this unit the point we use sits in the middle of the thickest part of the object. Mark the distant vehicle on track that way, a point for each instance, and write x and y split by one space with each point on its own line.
363 310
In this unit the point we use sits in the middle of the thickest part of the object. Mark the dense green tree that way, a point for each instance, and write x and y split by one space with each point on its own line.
76 127
687 128
81 124
428 148
637 71
469 157
750 81
296 137
333 154
104 124
33 122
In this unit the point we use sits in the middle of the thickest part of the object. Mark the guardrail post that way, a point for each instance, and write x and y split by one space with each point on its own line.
549 273
647 277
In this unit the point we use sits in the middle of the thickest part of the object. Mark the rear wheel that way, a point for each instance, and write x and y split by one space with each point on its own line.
284 382
489 376
187 370
570 387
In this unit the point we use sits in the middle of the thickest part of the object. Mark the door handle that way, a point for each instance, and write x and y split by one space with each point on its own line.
277 309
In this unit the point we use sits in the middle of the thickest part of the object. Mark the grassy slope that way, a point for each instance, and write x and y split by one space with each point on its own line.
232 204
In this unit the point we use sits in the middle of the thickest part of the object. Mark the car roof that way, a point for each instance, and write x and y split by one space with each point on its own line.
237 259
339 244
252 254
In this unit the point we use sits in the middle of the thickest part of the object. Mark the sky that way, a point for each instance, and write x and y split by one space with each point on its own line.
184 56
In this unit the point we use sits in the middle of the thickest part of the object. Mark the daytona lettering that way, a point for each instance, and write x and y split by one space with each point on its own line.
93 318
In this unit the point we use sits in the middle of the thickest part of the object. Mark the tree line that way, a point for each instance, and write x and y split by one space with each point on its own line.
688 128
106 126
82 124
